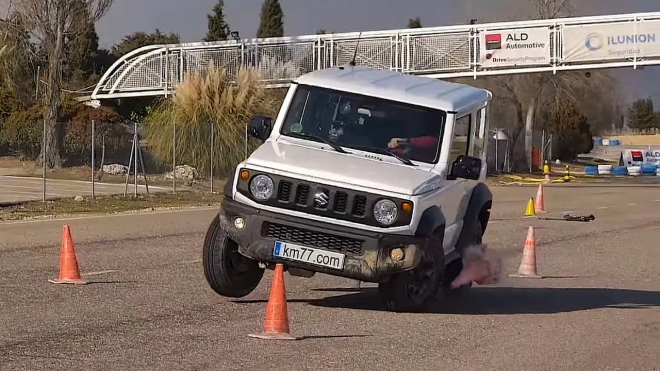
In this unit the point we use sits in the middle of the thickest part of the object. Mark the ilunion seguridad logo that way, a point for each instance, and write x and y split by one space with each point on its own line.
593 41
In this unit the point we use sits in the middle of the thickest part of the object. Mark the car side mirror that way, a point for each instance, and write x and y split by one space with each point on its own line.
260 127
465 167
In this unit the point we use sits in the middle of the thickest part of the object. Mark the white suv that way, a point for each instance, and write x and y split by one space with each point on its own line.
372 175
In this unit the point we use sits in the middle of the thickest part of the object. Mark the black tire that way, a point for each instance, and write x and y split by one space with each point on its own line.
413 290
227 271
454 268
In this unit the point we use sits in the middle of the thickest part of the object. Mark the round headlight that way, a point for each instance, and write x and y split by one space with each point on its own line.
261 187
385 212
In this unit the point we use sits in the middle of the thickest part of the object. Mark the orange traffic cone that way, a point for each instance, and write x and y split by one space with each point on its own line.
527 268
69 272
276 325
539 207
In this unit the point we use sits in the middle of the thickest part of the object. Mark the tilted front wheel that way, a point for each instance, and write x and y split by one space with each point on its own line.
227 271
413 290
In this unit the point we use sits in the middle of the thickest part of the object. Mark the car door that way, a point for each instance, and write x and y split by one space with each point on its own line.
456 196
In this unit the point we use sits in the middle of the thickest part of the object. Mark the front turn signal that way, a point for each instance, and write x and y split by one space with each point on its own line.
245 175
407 207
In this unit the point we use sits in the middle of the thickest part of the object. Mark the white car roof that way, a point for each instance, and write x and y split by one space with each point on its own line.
447 96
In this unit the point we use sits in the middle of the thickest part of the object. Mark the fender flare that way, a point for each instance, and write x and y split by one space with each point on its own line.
431 220
229 185
480 200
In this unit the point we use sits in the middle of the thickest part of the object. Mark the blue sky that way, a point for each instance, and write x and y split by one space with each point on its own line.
188 19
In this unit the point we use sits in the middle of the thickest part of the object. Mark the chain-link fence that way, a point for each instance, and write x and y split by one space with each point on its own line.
116 158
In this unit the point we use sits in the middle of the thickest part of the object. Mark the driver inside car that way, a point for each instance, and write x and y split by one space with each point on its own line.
427 142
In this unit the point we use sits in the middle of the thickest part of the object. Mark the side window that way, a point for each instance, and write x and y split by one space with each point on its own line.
479 135
460 144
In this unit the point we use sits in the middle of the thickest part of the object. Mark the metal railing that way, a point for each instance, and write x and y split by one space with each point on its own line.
436 52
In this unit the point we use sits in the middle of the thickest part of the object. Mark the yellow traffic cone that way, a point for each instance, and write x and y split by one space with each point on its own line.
530 207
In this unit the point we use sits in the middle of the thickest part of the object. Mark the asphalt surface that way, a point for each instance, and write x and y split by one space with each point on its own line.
149 308
17 189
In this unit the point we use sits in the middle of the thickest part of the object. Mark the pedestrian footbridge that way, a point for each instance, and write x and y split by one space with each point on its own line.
580 43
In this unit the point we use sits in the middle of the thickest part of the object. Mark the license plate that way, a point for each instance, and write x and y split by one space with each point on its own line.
308 255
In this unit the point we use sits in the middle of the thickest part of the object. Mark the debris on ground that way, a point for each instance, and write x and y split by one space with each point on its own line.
115 169
183 172
480 265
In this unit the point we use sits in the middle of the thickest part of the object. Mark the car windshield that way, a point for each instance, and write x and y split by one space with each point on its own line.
365 123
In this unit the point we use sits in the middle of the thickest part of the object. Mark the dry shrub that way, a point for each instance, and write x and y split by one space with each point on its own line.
202 100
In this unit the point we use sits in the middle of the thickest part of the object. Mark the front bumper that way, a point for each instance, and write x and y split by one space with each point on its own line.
366 254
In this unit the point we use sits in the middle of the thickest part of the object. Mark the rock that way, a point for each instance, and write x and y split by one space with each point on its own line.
183 172
115 169
79 198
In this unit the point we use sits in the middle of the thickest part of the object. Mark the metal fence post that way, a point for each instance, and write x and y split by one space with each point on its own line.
93 145
174 159
137 143
43 160
211 156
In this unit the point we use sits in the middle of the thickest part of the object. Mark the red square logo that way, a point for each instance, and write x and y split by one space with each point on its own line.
493 41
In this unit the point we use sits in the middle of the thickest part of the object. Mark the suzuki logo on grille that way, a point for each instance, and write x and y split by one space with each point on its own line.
321 198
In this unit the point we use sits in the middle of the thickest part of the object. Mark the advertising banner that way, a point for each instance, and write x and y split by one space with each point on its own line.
519 47
611 41
640 157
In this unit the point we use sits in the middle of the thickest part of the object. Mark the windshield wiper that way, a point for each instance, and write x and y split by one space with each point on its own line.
317 138
383 151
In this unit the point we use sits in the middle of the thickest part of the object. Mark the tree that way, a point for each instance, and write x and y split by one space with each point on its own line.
572 132
139 39
525 96
414 23
642 115
50 22
272 20
81 50
218 30
18 62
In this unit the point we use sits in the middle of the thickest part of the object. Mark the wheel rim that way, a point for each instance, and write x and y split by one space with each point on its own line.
236 262
422 277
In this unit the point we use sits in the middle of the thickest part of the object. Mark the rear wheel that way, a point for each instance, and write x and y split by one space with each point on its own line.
413 290
227 271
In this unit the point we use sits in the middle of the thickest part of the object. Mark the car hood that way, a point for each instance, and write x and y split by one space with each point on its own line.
377 172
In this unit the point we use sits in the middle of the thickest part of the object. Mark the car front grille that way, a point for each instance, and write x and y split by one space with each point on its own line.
323 200
310 238
337 201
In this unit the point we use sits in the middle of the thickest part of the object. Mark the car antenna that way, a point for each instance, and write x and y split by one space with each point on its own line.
352 62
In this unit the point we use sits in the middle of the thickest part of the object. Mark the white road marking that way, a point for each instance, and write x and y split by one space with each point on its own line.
631 204
64 181
604 207
98 273
193 261
118 215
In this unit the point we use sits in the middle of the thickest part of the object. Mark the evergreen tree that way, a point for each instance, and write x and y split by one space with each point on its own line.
140 39
272 20
642 115
81 51
414 23
218 30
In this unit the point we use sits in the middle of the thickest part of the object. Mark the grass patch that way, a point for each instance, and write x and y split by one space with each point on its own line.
107 205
